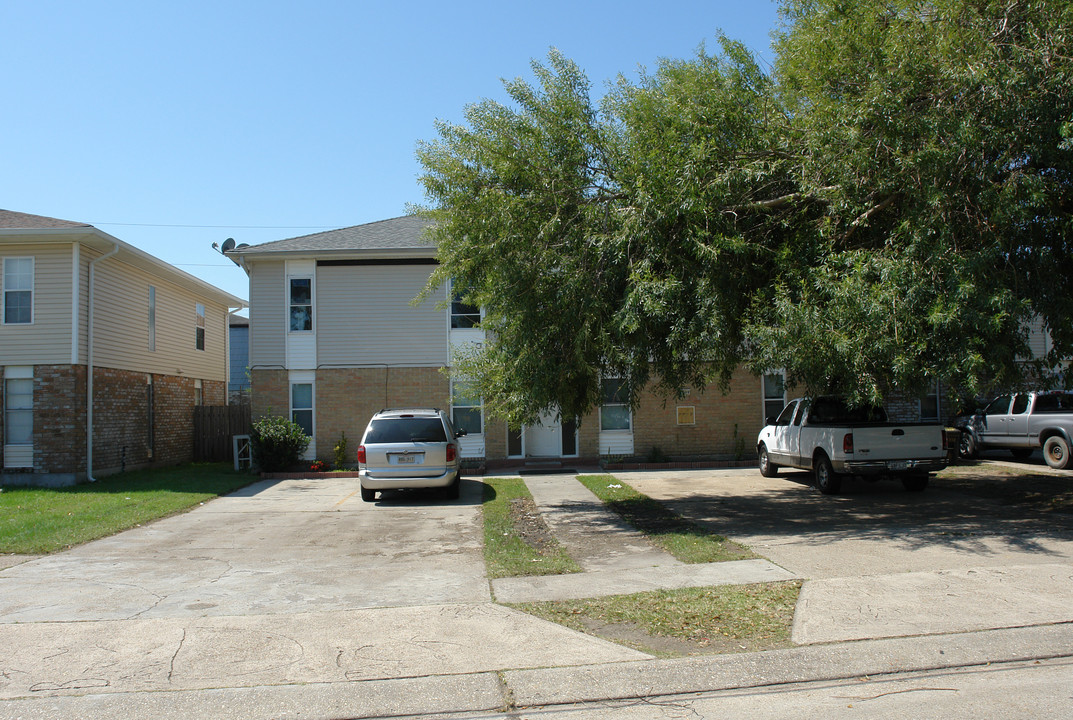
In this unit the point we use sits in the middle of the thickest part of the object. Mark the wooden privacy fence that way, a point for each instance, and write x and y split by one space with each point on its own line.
214 425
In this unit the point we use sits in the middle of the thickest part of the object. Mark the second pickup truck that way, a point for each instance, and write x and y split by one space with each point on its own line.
825 436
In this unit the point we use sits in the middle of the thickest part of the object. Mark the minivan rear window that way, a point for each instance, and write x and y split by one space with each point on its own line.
404 430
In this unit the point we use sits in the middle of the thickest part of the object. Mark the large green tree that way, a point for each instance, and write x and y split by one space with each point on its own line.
889 204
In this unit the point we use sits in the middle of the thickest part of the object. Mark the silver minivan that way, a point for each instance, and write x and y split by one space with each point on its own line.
409 448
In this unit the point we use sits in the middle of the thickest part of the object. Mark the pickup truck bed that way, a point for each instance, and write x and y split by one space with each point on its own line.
822 435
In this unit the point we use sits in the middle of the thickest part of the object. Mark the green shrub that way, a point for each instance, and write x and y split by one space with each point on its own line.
340 452
277 443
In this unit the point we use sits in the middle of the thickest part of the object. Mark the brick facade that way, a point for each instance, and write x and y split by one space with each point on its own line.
345 399
724 425
124 435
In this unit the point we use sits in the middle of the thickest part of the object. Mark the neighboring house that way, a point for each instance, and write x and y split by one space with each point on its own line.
100 339
334 338
238 383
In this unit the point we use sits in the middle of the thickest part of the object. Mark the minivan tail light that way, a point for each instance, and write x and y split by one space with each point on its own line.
451 451
847 444
361 454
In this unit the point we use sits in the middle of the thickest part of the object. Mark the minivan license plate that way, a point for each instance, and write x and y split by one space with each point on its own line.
406 459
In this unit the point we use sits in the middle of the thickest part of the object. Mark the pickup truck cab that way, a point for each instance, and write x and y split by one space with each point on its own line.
1021 423
825 436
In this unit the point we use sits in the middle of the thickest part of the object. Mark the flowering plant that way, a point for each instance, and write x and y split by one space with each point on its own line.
319 466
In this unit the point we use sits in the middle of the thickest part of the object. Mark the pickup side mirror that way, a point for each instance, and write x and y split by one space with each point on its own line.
770 420
460 433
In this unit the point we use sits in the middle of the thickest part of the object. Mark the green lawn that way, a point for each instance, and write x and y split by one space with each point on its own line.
506 551
683 539
702 620
36 520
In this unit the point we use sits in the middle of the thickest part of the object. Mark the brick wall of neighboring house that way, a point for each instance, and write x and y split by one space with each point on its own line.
60 419
123 434
723 424
588 436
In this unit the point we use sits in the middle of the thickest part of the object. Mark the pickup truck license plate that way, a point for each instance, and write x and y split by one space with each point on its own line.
897 465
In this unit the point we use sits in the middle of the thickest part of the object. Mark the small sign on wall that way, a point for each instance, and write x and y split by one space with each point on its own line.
687 415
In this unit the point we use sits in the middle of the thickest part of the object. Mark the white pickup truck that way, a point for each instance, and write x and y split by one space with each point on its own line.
825 436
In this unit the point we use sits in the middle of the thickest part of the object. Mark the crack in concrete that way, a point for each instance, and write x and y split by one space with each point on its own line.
175 655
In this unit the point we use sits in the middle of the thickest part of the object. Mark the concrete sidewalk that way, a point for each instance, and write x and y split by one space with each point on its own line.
616 558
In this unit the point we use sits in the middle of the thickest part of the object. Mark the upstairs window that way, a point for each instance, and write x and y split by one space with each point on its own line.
18 282
199 326
463 315
301 300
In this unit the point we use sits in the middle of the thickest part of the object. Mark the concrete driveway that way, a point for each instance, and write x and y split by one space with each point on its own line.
282 583
883 562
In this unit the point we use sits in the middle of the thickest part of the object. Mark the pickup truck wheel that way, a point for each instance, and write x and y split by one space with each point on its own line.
967 446
828 481
1056 452
368 495
767 468
915 483
1021 453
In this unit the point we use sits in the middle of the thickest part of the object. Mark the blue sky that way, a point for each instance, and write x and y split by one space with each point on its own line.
176 125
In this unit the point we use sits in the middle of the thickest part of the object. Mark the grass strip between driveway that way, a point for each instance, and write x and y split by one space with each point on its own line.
683 539
689 621
37 520
508 508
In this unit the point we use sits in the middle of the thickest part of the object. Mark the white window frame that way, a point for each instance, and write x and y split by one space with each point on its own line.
604 404
152 319
199 393
20 375
938 404
455 405
294 382
765 398
6 279
291 305
454 311
199 327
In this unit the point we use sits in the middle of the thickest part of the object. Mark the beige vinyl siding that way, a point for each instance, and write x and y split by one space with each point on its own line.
121 325
47 340
365 317
268 315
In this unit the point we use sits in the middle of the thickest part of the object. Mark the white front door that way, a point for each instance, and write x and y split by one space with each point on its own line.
544 439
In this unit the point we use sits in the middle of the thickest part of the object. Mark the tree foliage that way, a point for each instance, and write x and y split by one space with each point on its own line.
890 203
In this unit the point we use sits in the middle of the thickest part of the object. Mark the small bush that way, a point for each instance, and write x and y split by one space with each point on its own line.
340 452
277 443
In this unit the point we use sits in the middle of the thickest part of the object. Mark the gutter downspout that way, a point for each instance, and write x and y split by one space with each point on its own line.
89 364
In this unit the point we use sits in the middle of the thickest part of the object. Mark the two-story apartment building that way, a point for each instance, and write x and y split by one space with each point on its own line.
334 337
104 352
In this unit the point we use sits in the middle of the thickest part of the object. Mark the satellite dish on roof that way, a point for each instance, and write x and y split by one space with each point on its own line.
229 245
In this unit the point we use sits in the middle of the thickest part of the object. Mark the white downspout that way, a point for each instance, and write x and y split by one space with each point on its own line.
89 364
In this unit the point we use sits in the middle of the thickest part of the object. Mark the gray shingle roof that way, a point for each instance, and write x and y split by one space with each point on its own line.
401 233
10 220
